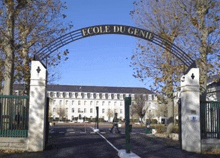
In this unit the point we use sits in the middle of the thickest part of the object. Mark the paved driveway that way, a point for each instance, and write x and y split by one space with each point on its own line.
81 142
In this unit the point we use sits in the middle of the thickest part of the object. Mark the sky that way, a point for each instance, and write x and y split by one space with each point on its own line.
99 60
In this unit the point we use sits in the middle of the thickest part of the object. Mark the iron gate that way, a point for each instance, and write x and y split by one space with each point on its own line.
14 116
210 119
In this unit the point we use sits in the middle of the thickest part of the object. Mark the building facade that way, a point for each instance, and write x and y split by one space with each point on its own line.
79 102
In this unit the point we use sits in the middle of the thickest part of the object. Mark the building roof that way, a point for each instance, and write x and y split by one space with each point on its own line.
213 81
96 89
213 78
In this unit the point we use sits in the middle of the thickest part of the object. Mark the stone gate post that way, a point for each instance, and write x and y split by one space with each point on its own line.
37 107
190 111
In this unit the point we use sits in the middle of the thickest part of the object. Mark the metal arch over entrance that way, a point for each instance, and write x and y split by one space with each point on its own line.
114 29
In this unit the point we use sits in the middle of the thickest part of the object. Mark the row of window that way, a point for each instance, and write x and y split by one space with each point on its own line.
84 111
79 102
95 95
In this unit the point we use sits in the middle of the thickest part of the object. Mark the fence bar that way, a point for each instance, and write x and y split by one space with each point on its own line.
14 116
210 120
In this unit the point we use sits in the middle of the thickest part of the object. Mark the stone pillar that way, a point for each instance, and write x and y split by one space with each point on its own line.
190 111
37 107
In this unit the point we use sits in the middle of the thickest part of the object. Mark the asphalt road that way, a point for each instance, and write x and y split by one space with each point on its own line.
82 142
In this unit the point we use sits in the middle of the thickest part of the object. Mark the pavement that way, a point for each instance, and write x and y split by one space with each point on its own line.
81 142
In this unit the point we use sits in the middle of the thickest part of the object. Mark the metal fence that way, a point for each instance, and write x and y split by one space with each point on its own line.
210 120
14 116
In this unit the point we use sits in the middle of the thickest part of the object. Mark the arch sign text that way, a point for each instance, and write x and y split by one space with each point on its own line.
117 29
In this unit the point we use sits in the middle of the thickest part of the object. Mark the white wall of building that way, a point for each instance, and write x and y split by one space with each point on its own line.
85 104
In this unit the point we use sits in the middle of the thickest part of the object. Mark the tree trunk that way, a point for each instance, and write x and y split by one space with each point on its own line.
170 114
9 72
9 49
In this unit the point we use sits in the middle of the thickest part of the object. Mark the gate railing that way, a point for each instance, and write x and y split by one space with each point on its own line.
14 116
210 119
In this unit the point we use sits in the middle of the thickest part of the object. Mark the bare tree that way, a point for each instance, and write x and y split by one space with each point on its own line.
25 27
50 111
61 112
110 114
203 16
161 110
164 18
139 106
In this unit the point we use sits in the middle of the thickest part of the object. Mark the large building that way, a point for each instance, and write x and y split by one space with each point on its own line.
78 102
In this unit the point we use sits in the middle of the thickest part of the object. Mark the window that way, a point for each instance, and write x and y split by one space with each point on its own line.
90 110
90 102
115 103
121 103
61 102
103 111
109 103
85 102
54 110
149 97
66 102
120 111
79 103
72 102
84 110
54 102
103 103
72 110
97 103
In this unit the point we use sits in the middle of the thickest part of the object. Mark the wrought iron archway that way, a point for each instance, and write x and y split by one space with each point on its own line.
43 53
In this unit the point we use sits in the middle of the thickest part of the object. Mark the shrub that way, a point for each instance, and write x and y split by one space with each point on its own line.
160 129
101 119
93 119
134 120
176 129
151 121
56 119
50 119
170 128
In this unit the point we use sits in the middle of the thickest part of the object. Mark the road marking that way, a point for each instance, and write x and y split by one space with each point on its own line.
103 132
71 132
82 132
61 132
108 142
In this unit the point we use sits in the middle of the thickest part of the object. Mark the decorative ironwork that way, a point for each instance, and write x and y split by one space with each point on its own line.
210 119
43 53
14 116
